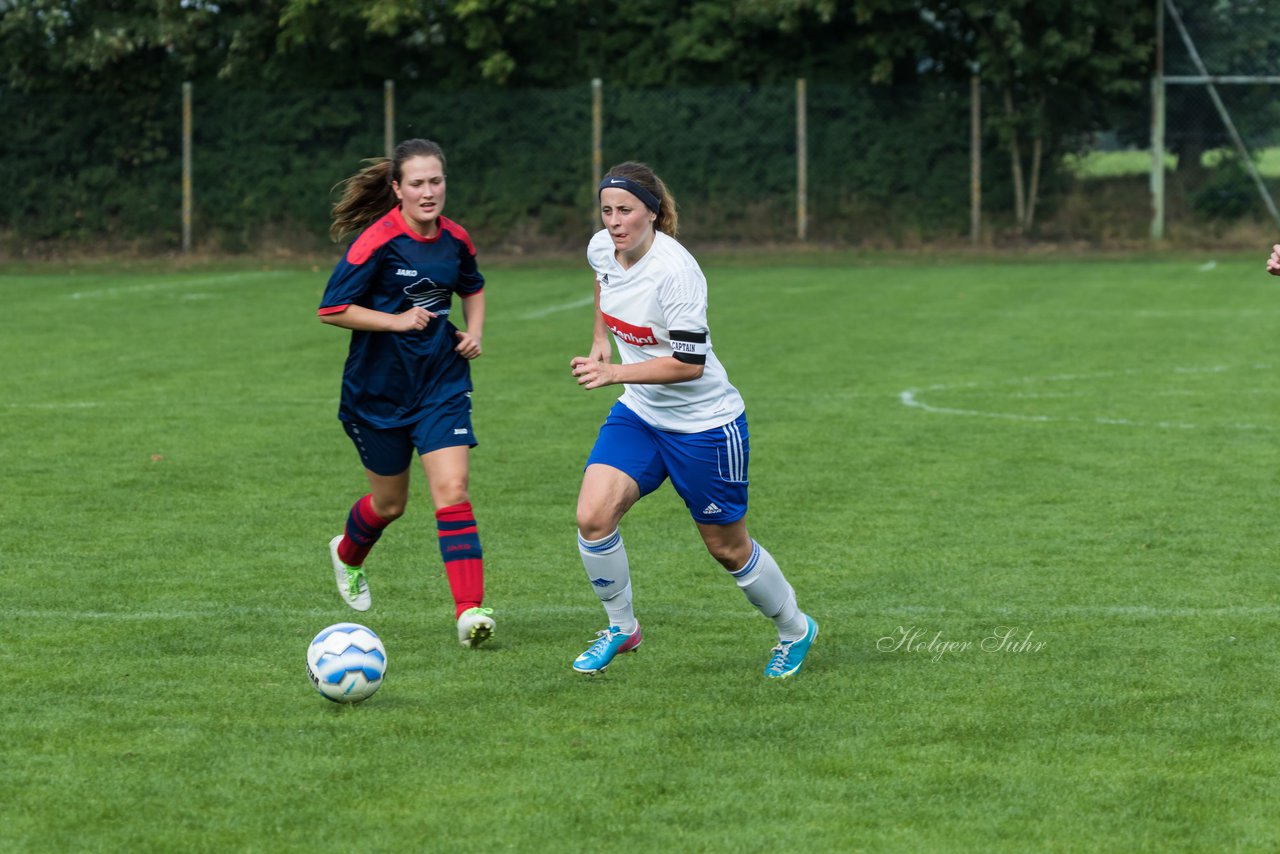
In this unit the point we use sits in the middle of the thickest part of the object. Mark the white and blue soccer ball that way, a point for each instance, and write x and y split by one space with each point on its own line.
346 662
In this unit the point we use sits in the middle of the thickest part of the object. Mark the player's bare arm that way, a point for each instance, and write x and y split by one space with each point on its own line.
469 338
1273 263
664 370
601 346
357 317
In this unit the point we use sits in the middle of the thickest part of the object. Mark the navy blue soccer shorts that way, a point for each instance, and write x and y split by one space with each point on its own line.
389 451
708 470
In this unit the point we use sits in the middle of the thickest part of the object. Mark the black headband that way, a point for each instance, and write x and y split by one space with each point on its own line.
650 200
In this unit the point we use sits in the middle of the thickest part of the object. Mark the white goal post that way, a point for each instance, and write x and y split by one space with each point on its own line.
1210 82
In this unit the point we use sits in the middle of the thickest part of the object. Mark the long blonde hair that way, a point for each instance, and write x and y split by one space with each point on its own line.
647 178
368 194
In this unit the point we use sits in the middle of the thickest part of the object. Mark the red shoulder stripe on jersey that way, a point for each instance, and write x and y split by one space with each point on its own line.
375 237
458 232
334 309
393 225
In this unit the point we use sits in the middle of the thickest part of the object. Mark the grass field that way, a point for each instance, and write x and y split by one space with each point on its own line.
1032 504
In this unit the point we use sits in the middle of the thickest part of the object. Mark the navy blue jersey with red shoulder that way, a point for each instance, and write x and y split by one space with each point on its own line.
391 378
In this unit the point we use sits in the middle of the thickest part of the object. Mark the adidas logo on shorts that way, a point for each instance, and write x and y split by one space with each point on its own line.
711 509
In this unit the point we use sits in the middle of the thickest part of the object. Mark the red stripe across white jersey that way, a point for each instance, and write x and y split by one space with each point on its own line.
640 336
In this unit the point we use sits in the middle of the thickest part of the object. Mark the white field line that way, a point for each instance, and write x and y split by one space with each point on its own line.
888 613
239 403
553 309
185 284
222 612
911 398
1101 611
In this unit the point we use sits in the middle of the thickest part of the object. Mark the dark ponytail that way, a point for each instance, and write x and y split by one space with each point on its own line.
367 195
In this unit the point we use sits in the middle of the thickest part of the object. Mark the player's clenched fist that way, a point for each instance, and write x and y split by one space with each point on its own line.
1273 263
415 318
591 373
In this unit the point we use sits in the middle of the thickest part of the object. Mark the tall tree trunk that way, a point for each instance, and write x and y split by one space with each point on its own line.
1037 149
1015 155
1037 157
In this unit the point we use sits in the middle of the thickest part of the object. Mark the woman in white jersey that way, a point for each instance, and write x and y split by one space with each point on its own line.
678 418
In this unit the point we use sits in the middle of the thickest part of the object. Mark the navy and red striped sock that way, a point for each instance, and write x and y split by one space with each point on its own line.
364 527
463 559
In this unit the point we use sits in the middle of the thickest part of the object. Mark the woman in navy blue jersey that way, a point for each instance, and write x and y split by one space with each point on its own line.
406 385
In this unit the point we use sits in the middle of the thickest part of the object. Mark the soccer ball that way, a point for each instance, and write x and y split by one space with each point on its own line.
346 662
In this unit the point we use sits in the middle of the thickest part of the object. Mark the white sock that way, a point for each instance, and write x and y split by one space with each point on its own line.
764 585
605 560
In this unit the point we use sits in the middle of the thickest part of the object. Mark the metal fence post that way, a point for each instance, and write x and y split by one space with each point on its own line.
1157 158
1157 130
597 130
389 117
186 166
802 161
975 159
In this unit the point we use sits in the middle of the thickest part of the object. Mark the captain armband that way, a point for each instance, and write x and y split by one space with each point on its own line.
689 347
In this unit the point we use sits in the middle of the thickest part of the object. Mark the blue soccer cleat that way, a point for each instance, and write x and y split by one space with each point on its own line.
788 656
609 642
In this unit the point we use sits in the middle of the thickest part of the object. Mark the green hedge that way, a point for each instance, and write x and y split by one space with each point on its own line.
92 169
264 162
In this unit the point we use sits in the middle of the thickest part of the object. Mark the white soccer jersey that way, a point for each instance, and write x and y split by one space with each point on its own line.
664 291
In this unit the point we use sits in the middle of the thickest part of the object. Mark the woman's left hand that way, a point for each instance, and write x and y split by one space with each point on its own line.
592 373
468 345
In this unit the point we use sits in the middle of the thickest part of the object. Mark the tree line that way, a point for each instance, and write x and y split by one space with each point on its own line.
1056 71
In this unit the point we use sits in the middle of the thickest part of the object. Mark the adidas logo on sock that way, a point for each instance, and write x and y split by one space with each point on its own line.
602 582
711 509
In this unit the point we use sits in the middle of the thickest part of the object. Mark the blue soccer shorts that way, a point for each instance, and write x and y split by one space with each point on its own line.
389 451
708 469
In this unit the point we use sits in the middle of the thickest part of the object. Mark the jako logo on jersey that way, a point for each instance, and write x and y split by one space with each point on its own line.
425 293
403 272
459 431
641 336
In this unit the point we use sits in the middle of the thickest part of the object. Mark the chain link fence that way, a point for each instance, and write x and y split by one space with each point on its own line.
882 166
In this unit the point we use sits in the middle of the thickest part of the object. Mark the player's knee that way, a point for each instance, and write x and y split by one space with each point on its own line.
595 522
593 526
389 510
448 493
726 557
731 554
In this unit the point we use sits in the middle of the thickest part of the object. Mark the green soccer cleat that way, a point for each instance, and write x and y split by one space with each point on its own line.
353 587
475 626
